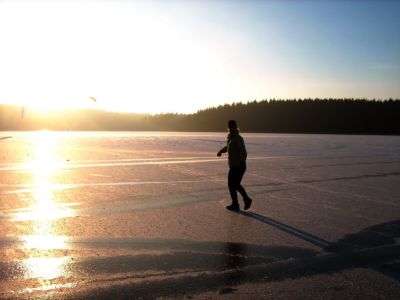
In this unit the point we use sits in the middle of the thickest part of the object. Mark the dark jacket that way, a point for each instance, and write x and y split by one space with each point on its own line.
237 153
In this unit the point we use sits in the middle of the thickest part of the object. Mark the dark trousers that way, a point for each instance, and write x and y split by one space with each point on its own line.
234 179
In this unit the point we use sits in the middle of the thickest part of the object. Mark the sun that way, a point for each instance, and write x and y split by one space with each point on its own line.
47 105
43 105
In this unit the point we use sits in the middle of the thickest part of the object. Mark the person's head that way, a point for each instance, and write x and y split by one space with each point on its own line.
232 126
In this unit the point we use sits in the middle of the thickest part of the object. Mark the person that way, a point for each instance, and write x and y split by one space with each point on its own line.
237 156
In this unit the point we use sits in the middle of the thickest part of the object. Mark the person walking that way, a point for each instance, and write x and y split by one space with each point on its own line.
237 156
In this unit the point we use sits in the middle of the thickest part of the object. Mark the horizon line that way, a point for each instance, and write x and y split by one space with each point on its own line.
58 109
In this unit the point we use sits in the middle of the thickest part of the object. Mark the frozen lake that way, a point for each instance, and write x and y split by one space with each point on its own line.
122 214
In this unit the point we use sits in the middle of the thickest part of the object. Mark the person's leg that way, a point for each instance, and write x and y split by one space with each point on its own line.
233 177
242 191
247 200
239 187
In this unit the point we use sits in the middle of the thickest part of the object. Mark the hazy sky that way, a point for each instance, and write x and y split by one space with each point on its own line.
180 56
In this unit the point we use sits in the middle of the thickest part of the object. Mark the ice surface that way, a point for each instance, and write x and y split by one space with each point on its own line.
84 212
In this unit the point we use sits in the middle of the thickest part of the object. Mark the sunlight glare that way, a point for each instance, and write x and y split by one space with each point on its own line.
45 241
43 167
139 60
46 268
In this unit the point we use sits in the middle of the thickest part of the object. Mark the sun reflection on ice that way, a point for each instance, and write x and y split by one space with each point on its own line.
44 163
44 167
43 262
45 242
46 267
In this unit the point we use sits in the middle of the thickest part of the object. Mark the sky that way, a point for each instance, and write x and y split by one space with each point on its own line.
182 56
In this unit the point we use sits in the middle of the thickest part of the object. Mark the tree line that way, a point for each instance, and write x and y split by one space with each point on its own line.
347 116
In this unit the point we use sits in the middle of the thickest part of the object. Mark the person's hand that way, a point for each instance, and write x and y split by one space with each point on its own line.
219 153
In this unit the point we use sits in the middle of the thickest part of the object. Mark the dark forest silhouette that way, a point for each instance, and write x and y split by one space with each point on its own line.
348 116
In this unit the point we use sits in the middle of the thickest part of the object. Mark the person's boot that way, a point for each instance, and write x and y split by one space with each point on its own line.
247 203
233 207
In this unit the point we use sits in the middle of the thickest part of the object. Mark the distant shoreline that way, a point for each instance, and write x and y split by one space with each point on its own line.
199 132
308 116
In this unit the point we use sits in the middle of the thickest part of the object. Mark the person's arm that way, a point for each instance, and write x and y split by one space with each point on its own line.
223 150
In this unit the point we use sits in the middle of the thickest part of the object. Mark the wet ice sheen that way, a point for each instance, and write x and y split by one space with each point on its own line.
156 201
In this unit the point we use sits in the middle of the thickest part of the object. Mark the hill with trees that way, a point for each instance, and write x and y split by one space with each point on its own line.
348 116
